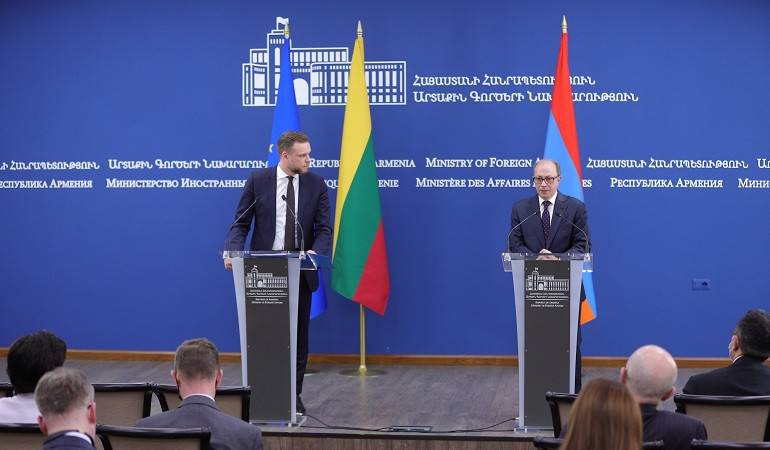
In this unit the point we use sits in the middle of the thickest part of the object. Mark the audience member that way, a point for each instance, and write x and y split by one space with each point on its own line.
197 373
67 410
747 375
650 374
605 416
29 358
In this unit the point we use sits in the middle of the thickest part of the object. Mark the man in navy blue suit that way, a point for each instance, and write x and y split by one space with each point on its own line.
550 222
650 374
65 399
271 199
558 235
748 374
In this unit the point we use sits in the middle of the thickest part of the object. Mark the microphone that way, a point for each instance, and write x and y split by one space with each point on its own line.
508 239
588 241
296 224
236 221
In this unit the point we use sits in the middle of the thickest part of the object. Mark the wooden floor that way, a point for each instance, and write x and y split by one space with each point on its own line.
450 399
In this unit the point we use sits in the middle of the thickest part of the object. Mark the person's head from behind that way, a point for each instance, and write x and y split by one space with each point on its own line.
294 151
65 399
31 356
605 416
650 374
752 335
196 367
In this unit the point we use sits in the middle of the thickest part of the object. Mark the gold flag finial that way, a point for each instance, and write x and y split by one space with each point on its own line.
563 24
360 31
286 29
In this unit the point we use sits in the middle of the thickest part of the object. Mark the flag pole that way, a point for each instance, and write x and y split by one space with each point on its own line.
362 339
362 370
362 102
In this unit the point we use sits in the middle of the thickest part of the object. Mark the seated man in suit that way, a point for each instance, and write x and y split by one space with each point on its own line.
29 358
197 373
67 410
650 374
747 375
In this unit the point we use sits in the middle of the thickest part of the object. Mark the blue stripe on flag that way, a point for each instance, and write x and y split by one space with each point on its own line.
556 150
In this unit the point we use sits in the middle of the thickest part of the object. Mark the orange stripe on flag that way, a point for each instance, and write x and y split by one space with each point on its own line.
586 314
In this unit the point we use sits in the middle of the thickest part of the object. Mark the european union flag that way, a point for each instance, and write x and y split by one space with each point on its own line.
286 118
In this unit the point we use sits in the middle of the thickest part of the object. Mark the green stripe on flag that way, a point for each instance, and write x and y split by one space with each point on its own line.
358 226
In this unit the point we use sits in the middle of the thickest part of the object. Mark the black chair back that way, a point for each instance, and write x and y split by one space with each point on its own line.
122 404
730 419
21 436
560 405
720 445
543 442
232 400
129 438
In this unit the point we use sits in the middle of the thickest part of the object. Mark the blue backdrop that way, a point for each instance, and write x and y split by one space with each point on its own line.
111 267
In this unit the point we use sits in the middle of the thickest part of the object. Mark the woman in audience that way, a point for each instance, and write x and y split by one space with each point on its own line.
604 417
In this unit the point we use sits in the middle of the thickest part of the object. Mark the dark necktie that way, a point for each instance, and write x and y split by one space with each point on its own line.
546 220
289 241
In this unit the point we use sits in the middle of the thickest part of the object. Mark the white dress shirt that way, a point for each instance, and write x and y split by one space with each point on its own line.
20 408
281 187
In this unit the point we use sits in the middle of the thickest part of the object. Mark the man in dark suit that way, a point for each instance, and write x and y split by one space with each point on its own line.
65 399
556 229
554 232
272 198
650 374
749 348
197 373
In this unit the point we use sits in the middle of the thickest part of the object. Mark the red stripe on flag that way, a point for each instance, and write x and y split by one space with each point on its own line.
374 285
562 108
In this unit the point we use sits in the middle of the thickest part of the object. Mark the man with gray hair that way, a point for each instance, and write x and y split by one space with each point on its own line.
561 227
65 399
197 373
650 374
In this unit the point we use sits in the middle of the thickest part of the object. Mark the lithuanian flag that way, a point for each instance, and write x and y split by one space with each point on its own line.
360 262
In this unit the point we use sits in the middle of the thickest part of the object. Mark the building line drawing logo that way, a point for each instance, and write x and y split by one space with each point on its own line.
256 280
320 74
546 283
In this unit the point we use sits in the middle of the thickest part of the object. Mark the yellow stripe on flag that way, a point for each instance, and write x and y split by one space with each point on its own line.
356 129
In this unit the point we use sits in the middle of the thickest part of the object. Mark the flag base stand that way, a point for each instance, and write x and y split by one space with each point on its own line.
362 371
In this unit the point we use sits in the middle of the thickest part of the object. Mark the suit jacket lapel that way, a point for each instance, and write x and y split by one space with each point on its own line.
537 225
303 196
560 207
271 189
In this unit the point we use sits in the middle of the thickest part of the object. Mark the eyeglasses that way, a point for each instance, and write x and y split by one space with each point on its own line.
548 180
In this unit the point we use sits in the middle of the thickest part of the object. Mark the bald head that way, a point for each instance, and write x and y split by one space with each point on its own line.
650 374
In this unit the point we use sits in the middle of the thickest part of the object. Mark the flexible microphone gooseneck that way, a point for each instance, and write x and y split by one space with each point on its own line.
236 221
296 224
508 239
588 241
